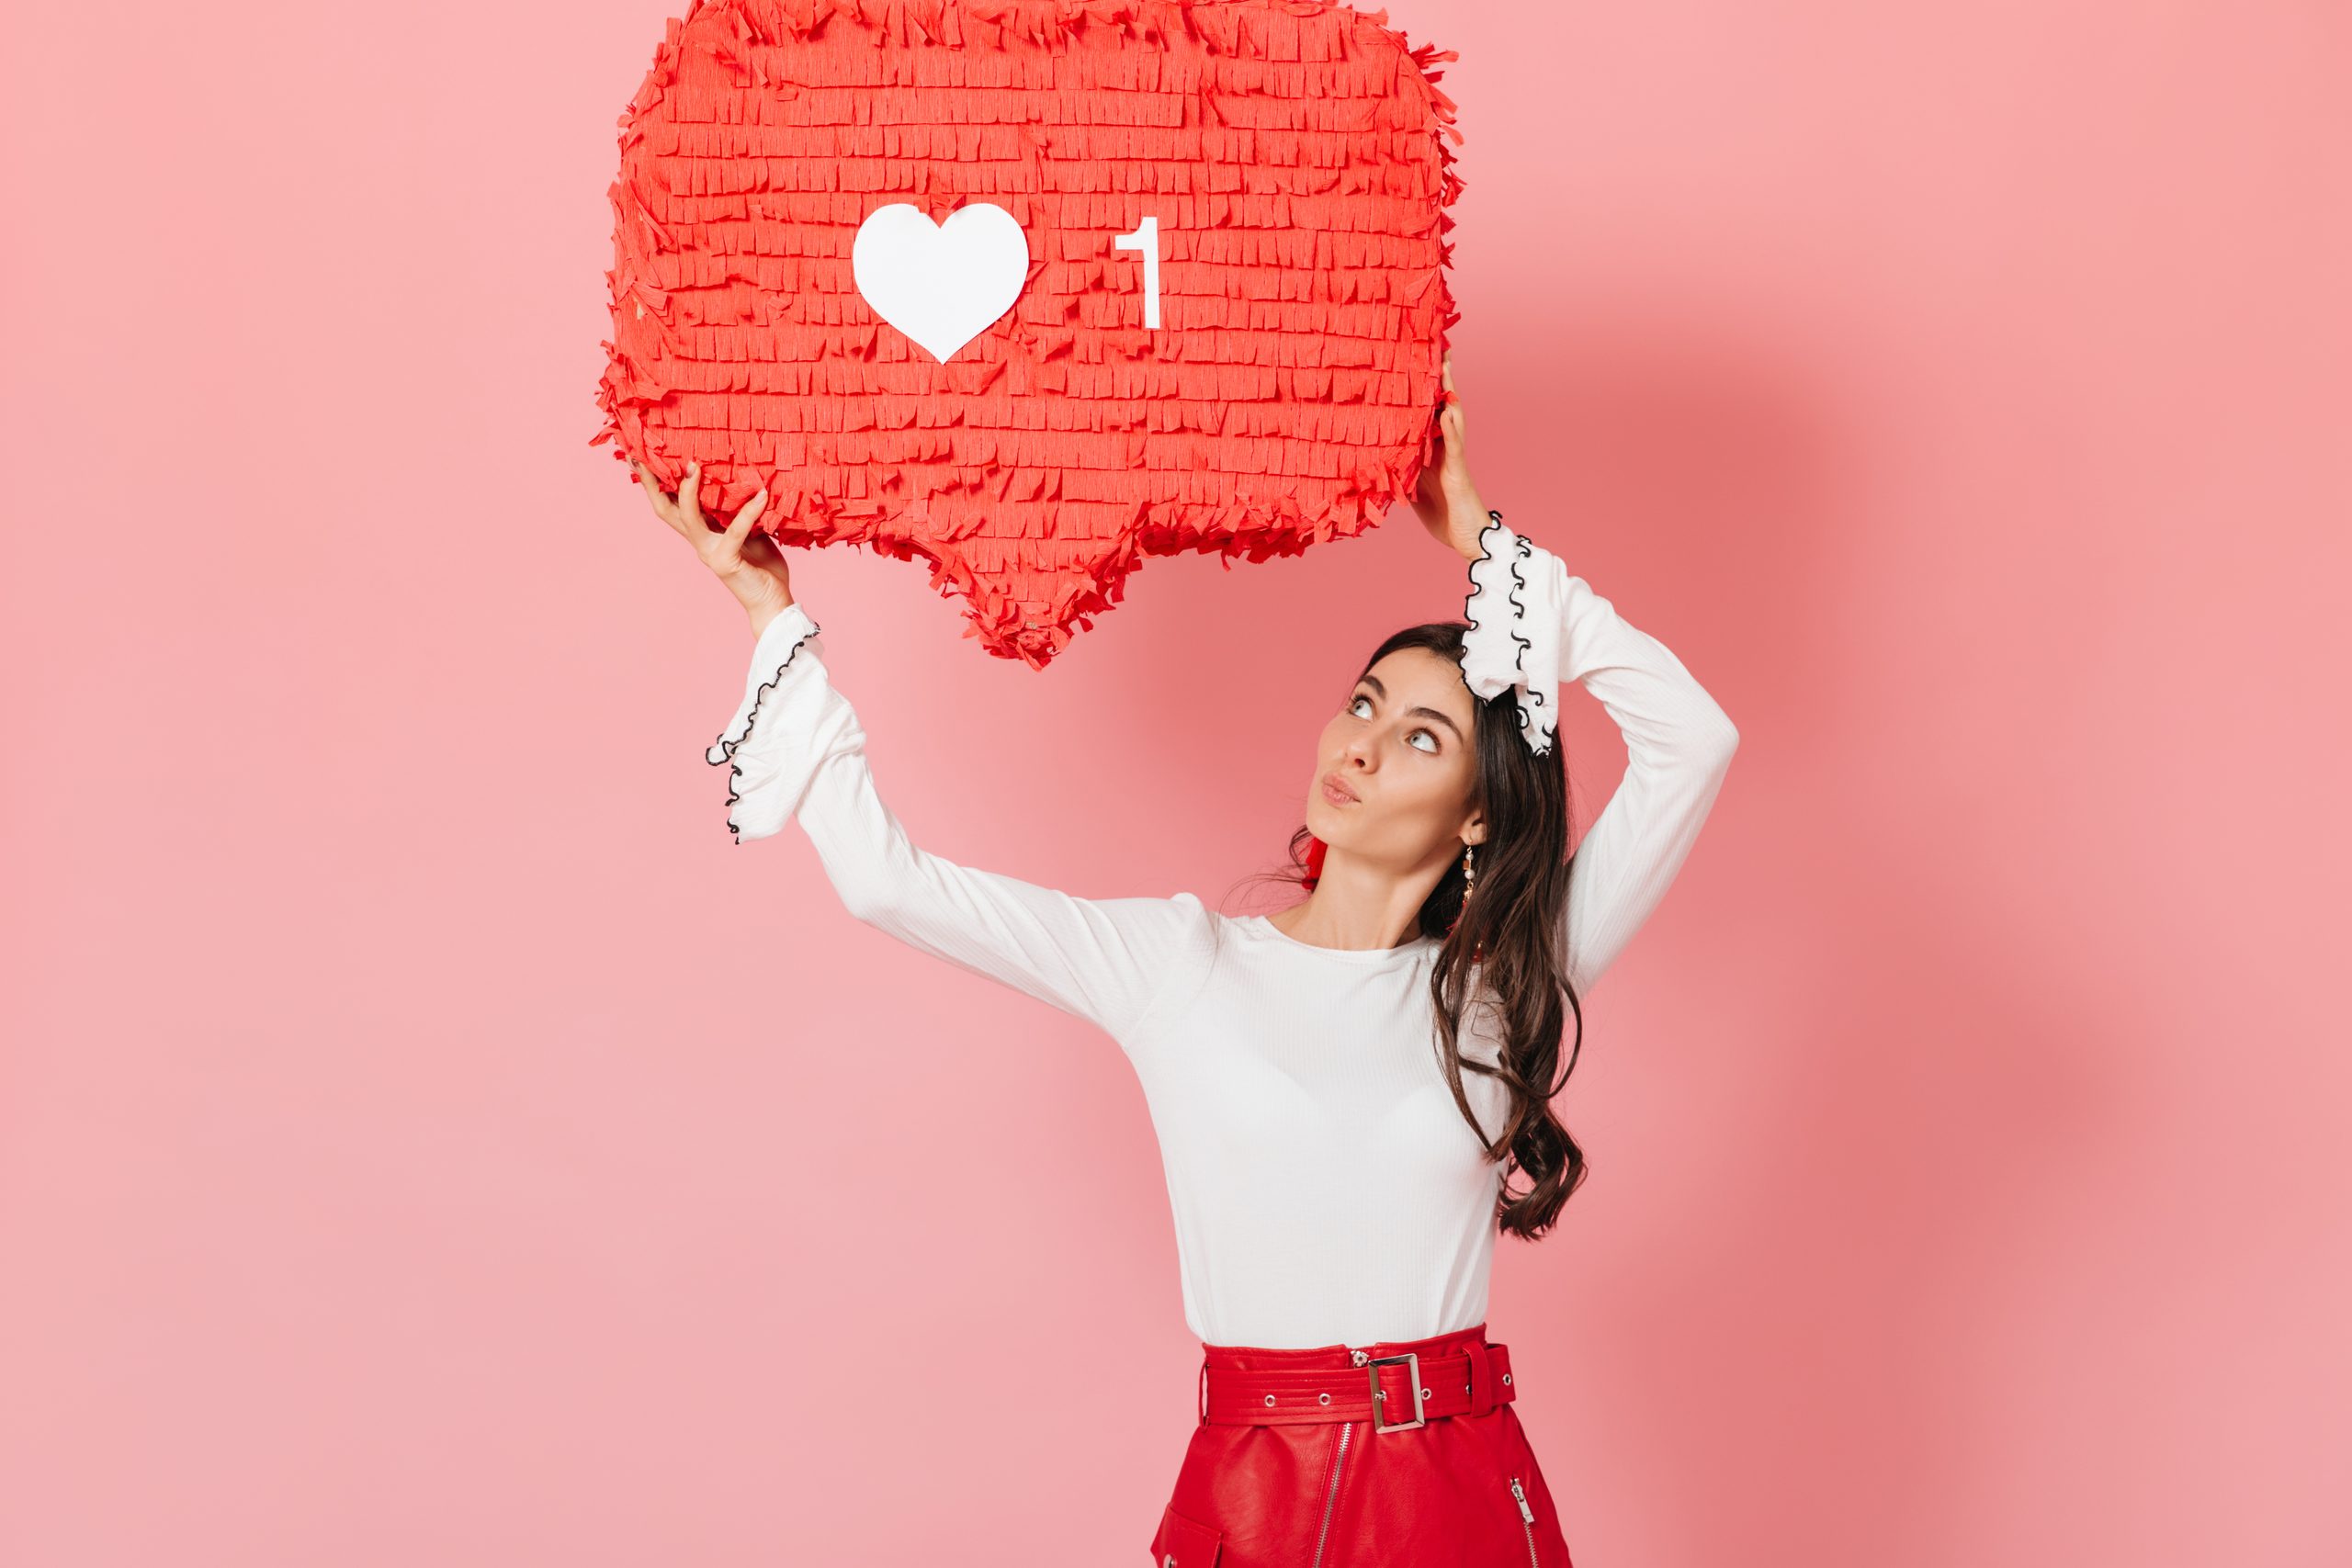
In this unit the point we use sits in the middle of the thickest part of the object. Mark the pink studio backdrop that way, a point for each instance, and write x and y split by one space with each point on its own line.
426 1138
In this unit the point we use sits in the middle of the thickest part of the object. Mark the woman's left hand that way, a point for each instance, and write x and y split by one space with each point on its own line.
1445 500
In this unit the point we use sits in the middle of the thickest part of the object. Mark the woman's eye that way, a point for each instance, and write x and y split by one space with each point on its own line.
1429 735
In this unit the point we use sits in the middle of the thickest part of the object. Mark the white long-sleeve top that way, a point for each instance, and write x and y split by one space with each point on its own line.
1325 1187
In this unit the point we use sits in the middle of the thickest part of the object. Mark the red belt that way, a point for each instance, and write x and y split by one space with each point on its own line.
1394 1392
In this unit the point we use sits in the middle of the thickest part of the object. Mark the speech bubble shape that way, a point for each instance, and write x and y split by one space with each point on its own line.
1227 333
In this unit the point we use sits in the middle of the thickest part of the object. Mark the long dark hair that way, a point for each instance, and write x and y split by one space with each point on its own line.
1511 927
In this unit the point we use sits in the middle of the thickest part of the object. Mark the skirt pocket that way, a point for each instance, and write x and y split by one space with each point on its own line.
1182 1542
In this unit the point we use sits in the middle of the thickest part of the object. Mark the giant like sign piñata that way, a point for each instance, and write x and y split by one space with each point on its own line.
1032 289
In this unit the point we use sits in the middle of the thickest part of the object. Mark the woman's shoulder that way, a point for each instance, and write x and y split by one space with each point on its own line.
1169 929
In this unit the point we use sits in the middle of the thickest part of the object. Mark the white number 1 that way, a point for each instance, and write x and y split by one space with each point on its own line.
1146 239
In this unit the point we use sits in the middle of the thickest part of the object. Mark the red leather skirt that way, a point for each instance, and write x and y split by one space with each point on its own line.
1401 1453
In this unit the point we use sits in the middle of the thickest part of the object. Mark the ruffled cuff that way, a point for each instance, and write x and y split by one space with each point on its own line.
778 645
1513 645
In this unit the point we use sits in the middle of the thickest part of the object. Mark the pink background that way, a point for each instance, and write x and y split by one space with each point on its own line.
428 1140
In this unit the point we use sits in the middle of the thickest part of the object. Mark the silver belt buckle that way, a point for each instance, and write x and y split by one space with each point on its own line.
1380 1396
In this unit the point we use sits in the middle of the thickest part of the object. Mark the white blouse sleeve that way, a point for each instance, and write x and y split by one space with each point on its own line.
1532 621
795 751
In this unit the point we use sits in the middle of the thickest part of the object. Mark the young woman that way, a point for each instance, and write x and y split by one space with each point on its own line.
1340 1088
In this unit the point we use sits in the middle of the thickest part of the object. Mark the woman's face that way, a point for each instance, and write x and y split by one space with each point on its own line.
1400 753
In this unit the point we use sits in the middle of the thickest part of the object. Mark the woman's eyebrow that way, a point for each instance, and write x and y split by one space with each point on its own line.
1382 693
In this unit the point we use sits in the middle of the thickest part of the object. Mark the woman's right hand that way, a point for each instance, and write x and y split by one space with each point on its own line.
747 561
1444 498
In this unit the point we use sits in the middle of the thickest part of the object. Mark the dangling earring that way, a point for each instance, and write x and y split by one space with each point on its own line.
1469 880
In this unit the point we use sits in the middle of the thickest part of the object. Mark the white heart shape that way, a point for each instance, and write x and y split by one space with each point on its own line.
945 284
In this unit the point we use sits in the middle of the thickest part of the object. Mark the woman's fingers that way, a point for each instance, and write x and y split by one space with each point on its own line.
661 507
745 515
748 513
1451 419
723 550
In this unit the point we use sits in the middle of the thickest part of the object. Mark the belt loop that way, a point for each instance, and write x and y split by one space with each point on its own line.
1481 1379
1205 1391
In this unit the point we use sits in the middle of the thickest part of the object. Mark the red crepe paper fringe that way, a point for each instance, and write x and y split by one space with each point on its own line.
1297 154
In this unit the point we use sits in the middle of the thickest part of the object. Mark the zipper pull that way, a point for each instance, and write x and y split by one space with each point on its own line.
1524 1511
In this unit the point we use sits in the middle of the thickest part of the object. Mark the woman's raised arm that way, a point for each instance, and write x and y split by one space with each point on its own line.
1535 627
1529 614
795 750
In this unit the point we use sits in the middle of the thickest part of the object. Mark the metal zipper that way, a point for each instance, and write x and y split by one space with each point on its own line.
1332 1496
1527 1522
1339 1454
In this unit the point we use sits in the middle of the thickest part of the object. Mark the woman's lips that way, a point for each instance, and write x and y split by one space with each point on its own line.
1337 793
